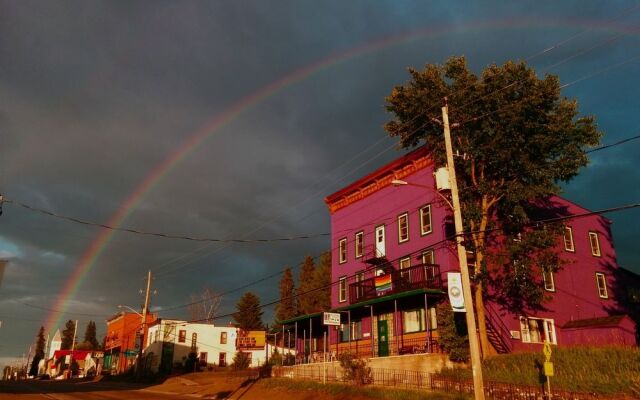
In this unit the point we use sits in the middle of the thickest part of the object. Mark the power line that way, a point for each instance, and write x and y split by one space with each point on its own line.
160 234
613 144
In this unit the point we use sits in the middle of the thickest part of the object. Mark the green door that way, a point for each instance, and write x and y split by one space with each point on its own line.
383 339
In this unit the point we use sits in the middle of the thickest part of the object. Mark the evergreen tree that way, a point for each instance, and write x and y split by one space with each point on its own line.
306 301
90 337
519 139
39 353
249 313
287 307
322 279
67 335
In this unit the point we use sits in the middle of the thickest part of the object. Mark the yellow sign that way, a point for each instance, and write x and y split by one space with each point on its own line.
546 349
251 340
548 368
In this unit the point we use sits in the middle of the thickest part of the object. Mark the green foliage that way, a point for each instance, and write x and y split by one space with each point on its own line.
322 279
520 138
39 352
241 361
286 308
452 329
67 335
275 358
604 370
90 336
249 312
354 369
306 302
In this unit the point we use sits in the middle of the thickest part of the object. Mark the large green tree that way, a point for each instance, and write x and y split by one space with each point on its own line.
90 336
518 138
67 335
286 308
249 312
322 281
39 352
306 286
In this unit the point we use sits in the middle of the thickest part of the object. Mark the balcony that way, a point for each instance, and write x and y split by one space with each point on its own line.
423 276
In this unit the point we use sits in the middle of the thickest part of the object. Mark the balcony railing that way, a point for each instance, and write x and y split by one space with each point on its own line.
423 276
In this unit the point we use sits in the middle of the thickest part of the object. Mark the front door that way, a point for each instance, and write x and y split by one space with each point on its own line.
383 339
380 251
222 360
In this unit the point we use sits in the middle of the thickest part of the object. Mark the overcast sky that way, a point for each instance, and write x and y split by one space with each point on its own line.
94 96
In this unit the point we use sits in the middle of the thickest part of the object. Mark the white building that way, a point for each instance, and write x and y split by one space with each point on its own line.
56 344
169 343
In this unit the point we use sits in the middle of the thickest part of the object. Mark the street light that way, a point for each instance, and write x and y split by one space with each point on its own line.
130 309
400 182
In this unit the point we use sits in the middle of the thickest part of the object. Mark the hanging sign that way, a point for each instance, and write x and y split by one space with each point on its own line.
455 291
330 318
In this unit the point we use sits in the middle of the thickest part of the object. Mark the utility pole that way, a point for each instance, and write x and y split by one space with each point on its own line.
145 309
73 347
474 349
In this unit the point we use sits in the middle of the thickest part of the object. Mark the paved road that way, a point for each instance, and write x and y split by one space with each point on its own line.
61 390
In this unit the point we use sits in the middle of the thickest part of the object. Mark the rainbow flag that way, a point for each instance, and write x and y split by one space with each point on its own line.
383 283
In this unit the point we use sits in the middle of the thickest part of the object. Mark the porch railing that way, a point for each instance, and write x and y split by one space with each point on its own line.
397 281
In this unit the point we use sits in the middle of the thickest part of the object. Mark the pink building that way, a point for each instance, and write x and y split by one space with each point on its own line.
391 256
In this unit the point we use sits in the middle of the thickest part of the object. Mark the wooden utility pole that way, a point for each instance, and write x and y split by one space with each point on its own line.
145 310
474 349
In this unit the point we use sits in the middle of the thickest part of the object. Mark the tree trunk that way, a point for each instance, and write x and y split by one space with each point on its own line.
482 323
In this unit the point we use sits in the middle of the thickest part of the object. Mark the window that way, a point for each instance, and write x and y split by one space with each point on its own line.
342 295
414 321
359 244
601 281
194 340
223 337
429 258
182 336
568 239
549 284
403 227
536 330
359 277
203 358
404 264
355 331
595 244
343 250
425 219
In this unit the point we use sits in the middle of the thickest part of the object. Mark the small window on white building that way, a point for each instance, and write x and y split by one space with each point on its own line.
601 281
342 295
568 239
223 337
403 227
549 284
537 330
343 251
425 219
594 241
359 244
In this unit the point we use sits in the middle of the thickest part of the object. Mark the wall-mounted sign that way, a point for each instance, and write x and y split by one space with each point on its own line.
251 340
455 291
331 318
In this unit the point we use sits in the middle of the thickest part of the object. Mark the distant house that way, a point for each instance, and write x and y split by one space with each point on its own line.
392 250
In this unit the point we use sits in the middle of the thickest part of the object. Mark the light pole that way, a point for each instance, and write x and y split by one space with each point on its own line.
399 182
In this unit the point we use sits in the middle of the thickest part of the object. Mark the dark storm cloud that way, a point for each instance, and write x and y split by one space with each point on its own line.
94 96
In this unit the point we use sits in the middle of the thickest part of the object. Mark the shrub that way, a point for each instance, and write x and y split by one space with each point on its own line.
354 369
241 360
453 332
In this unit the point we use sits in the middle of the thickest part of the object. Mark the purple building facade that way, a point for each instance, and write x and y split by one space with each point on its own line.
391 256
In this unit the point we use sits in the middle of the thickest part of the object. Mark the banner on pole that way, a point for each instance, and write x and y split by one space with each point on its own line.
456 297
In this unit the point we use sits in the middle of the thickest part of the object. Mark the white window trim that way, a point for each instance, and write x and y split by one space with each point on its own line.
594 252
406 216
569 230
359 250
402 261
422 231
526 334
552 287
604 281
343 283
342 251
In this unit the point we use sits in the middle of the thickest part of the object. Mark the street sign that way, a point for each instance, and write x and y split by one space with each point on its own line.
330 318
546 350
548 368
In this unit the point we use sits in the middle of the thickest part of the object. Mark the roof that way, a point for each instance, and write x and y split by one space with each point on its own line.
77 354
601 322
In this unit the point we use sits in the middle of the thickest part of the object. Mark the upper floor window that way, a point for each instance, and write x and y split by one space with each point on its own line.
568 239
594 241
428 257
404 264
549 284
359 244
425 219
342 253
403 227
601 281
342 290
223 337
182 336
537 330
359 277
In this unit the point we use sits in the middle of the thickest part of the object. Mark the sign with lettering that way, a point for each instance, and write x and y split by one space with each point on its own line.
330 318
251 340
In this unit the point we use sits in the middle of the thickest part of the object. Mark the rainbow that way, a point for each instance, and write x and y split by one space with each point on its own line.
102 240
